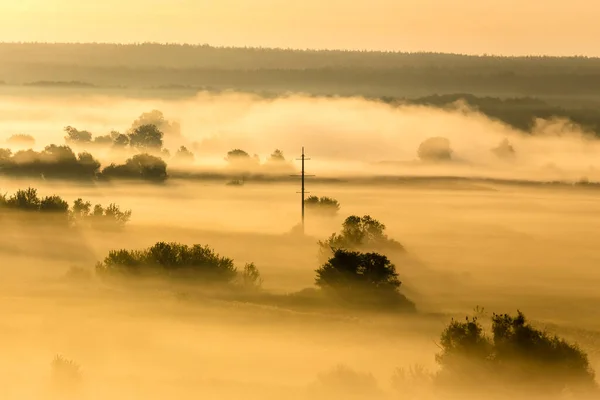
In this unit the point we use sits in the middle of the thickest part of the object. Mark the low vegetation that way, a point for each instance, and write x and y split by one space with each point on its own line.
58 162
435 149
322 205
516 359
81 214
362 280
195 263
359 234
141 166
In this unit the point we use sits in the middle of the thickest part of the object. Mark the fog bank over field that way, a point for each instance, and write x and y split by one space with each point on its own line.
342 135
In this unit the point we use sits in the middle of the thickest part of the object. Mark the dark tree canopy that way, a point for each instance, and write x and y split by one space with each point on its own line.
518 359
322 205
109 217
141 166
157 118
361 279
75 136
171 260
53 162
360 233
146 138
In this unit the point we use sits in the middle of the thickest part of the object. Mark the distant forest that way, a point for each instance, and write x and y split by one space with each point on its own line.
187 67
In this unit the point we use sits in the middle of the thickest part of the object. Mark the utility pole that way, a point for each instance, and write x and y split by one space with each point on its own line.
303 191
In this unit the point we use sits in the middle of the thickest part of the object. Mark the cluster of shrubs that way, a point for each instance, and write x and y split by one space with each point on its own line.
517 358
360 234
438 149
322 205
28 201
197 263
60 162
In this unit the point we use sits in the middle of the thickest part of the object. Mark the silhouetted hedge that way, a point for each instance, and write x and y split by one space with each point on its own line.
362 280
516 359
195 263
53 162
322 205
359 234
141 166
28 201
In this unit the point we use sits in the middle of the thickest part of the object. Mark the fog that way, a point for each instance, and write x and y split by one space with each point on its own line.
502 246
344 136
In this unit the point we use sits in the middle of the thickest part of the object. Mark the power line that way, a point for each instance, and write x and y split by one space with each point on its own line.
303 191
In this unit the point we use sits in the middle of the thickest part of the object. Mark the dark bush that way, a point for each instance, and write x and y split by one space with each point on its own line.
183 155
323 205
362 234
27 200
141 166
362 279
146 138
518 359
100 217
53 162
75 136
435 149
157 118
171 260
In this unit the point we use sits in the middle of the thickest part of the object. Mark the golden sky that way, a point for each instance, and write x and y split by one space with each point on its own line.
556 27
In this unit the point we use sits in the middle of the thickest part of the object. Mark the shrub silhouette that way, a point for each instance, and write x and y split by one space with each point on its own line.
75 136
237 155
146 138
239 159
518 358
171 260
435 149
66 374
323 205
53 162
5 155
141 166
250 278
277 156
504 150
27 200
359 233
103 218
183 155
157 118
361 279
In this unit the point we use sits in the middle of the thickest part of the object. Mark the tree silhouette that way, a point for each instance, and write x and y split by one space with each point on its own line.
146 138
183 155
170 260
75 136
141 166
359 233
323 205
361 279
435 149
517 359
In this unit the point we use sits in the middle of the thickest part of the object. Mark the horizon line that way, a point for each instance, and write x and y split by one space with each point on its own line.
297 49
